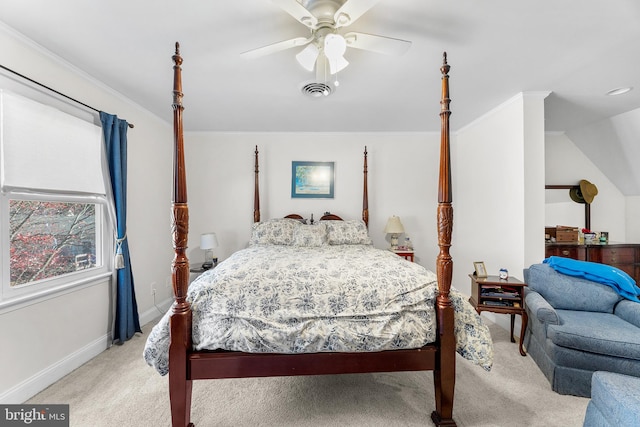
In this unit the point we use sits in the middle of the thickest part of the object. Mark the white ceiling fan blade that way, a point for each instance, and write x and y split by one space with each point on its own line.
295 9
379 44
276 47
308 56
326 67
352 10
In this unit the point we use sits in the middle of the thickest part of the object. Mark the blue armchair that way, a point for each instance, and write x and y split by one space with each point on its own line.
576 327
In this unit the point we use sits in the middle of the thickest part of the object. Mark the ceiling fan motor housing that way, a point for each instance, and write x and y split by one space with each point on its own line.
323 10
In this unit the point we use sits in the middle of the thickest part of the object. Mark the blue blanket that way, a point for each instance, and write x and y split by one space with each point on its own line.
620 281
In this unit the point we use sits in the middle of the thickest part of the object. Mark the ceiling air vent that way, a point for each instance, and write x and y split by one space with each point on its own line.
316 89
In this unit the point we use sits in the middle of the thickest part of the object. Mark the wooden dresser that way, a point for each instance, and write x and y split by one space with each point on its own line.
625 256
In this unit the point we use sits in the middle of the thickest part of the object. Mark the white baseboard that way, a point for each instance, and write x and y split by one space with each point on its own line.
43 379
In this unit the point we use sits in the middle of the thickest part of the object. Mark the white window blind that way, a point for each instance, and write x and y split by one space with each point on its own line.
43 148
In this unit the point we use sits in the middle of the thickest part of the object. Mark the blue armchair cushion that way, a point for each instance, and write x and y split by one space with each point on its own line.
629 311
570 293
600 333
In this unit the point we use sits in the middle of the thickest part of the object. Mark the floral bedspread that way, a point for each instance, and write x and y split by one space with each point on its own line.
343 298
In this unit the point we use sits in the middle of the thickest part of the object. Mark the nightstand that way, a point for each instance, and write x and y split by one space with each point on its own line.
406 254
196 269
504 296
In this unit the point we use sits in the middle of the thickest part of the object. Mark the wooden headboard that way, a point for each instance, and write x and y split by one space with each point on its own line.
326 217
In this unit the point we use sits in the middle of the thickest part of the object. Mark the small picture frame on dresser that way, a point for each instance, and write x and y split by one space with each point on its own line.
480 270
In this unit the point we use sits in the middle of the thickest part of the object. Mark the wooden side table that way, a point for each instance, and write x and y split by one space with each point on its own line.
196 269
503 296
406 254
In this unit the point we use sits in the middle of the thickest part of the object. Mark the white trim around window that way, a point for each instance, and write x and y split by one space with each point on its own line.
15 297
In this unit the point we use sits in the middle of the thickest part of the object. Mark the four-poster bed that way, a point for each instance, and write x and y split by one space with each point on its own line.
412 346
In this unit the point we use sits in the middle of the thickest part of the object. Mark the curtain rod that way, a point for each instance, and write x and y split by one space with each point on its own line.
55 91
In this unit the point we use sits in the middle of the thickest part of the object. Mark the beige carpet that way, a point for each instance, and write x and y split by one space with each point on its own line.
117 388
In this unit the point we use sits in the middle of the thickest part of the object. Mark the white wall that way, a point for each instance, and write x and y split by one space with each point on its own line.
632 223
534 168
403 173
492 212
499 191
611 143
566 164
45 340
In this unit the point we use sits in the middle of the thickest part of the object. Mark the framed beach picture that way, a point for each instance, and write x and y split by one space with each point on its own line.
312 180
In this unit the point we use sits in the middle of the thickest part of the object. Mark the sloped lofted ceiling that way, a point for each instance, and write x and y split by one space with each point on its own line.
613 144
578 50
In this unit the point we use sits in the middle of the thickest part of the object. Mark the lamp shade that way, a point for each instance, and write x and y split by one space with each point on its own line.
394 226
208 241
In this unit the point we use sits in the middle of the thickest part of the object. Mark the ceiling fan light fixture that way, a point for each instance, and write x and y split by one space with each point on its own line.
334 46
308 56
337 64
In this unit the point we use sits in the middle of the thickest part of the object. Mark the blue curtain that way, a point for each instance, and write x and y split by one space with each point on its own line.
127 322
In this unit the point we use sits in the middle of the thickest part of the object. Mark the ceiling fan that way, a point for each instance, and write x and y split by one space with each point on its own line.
325 48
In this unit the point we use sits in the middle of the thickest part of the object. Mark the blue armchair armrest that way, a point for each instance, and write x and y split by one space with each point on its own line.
539 307
629 311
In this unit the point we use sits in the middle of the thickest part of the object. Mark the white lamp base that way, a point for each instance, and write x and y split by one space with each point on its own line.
208 259
394 242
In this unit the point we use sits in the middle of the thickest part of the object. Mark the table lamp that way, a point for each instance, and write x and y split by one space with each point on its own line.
395 228
208 241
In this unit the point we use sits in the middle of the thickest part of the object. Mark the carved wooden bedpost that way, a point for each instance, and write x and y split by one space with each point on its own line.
444 375
256 192
180 321
365 192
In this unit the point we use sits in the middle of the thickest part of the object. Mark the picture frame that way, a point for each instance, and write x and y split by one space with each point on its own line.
312 180
481 270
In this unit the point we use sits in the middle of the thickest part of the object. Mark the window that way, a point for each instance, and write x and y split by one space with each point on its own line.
54 228
50 239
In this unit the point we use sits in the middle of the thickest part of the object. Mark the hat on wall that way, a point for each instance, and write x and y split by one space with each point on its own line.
584 192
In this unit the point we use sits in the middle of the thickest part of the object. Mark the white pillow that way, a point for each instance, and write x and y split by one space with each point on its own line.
310 235
352 232
278 231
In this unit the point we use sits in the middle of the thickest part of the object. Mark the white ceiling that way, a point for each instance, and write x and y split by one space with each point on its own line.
577 49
